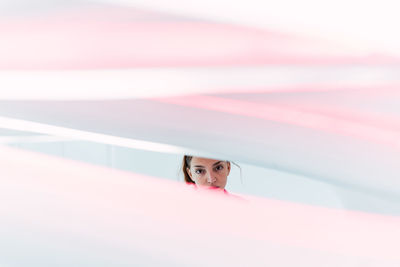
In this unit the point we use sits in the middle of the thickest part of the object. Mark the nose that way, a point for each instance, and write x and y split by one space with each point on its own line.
210 178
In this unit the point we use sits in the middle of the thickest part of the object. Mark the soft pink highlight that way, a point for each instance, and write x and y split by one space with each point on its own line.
93 38
128 209
354 126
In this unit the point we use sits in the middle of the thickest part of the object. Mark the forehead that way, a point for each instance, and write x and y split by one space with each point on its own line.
203 161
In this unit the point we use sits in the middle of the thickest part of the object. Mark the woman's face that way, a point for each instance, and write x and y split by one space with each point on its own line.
209 172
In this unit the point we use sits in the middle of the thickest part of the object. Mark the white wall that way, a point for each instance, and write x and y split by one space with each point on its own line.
255 180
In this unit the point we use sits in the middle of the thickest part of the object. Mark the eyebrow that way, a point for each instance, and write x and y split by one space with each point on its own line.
216 163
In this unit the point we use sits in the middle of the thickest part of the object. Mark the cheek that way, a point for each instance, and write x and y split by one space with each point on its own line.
200 180
223 174
223 177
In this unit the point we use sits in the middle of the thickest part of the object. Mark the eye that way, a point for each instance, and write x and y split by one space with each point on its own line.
199 171
219 167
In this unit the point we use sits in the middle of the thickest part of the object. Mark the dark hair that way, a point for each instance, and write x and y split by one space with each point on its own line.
186 165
